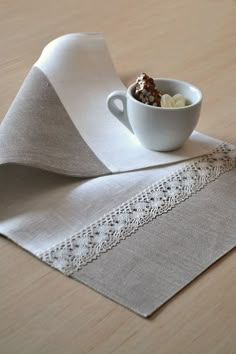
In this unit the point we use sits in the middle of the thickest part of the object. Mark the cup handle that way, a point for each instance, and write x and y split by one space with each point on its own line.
117 112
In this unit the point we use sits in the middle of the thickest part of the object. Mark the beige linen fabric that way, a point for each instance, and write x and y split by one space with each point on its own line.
148 268
42 203
37 131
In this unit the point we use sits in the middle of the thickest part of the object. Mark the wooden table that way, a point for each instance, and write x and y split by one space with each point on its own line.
42 311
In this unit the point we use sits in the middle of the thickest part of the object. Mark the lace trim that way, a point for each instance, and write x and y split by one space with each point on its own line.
86 245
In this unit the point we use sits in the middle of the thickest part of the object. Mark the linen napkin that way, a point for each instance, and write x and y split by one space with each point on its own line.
59 128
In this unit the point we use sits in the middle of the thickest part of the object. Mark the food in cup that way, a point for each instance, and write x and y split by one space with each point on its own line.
175 101
147 93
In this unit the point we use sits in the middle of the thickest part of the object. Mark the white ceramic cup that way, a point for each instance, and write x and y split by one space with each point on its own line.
158 128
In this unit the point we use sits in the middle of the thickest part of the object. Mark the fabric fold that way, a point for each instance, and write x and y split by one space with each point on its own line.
37 131
59 120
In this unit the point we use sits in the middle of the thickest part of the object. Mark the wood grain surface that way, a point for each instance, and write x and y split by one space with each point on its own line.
42 311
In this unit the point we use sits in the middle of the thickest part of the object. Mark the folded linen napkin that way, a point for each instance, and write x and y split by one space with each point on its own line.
59 124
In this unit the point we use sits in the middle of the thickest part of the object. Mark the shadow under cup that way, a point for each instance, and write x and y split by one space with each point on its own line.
165 129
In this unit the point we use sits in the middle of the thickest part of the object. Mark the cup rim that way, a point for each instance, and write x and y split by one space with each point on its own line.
130 88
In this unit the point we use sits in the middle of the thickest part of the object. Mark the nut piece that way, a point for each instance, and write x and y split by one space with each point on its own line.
167 101
146 92
176 101
180 100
